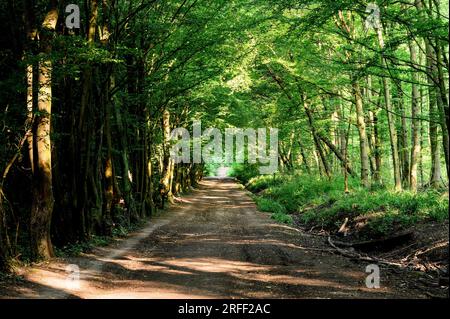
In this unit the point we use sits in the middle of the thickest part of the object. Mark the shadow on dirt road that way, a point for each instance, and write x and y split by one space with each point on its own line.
213 243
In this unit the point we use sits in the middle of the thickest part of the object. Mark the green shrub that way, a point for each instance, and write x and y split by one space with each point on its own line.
75 249
278 211
244 172
283 218
267 205
260 183
394 210
295 192
323 203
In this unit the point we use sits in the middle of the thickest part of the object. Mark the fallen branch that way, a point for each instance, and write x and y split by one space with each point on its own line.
399 251
354 255
400 237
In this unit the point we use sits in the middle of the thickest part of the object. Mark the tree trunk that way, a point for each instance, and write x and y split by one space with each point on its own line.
377 148
415 124
403 141
109 180
338 154
360 122
370 130
316 140
43 201
391 120
443 108
439 81
422 137
435 177
166 178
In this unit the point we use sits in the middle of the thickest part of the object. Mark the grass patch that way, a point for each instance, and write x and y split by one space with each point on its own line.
278 211
392 211
323 203
261 183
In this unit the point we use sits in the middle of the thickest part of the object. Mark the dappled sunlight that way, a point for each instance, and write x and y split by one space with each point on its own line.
216 265
215 197
240 149
55 279
206 249
284 279
171 278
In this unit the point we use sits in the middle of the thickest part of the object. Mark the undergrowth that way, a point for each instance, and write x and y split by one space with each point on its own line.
323 203
77 248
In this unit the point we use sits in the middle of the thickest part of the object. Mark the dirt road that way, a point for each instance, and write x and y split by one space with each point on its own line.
214 243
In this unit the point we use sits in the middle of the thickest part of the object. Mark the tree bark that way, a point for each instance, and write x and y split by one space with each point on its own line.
435 176
443 108
370 131
168 166
391 120
303 155
338 154
360 122
403 140
415 124
43 201
439 81
316 139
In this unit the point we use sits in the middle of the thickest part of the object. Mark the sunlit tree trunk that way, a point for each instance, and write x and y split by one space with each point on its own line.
376 143
391 120
111 188
422 136
370 129
43 201
341 128
361 124
403 140
149 151
415 124
168 167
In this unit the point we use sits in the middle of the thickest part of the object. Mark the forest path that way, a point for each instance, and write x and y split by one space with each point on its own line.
214 243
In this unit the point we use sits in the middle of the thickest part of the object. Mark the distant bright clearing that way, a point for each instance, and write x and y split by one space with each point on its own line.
223 171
